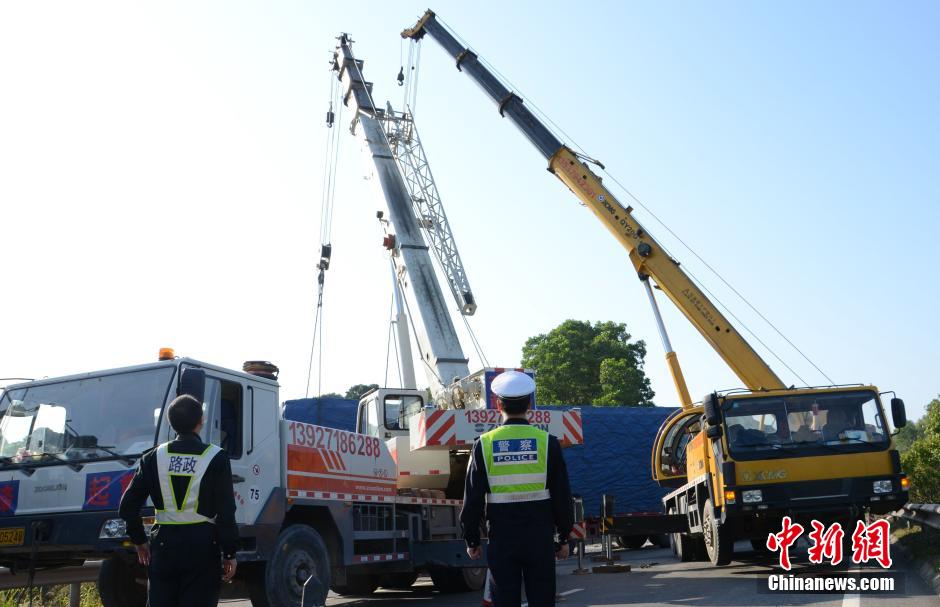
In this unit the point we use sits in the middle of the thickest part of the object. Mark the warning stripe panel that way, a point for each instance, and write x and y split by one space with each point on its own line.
375 558
433 501
578 532
344 497
572 430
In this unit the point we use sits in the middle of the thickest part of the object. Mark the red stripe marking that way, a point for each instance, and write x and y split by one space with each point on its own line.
576 436
447 425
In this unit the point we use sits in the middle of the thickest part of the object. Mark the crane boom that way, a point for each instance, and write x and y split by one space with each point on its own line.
439 344
648 257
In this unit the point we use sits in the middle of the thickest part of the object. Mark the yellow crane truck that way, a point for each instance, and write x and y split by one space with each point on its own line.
740 460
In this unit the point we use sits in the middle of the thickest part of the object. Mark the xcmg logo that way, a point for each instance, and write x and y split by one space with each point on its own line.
764 475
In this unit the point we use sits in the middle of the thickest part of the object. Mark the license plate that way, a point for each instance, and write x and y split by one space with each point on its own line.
12 536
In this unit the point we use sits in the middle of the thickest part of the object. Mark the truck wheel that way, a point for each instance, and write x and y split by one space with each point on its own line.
681 544
718 542
299 554
357 585
459 579
399 581
117 585
632 542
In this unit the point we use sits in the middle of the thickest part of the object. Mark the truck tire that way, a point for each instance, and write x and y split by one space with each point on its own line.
459 579
357 585
632 542
718 542
299 554
398 581
660 539
681 544
117 585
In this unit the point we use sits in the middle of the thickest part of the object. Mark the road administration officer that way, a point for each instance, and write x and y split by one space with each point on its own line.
190 484
518 480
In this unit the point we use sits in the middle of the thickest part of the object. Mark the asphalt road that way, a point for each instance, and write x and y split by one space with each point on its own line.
657 578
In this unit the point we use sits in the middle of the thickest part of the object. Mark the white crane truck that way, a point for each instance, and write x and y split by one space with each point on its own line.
316 506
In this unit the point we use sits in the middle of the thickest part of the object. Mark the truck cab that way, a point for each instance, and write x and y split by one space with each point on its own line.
740 461
69 447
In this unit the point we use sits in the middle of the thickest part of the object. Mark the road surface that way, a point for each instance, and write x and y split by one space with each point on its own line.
659 579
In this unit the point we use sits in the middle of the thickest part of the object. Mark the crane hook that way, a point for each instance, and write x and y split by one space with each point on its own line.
401 75
330 116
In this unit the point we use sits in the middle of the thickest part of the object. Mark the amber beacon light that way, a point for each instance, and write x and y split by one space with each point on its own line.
167 354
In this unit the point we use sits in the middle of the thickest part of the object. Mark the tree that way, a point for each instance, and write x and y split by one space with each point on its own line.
907 436
356 392
579 363
921 462
331 395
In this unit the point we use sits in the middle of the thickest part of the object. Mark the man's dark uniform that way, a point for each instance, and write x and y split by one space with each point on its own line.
185 566
521 534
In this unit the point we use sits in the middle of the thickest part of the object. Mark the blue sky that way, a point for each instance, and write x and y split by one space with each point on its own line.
161 168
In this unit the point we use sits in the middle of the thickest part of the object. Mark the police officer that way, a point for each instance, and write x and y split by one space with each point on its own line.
517 478
190 485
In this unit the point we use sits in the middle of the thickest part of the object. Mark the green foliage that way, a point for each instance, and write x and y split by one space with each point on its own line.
579 363
331 395
356 392
54 596
921 461
907 435
623 383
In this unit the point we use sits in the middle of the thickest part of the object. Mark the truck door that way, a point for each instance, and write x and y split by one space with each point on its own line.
669 448
241 417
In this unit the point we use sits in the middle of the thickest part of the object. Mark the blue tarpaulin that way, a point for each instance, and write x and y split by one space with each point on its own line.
615 458
337 413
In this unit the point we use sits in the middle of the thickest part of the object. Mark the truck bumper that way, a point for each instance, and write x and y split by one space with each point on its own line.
826 501
60 539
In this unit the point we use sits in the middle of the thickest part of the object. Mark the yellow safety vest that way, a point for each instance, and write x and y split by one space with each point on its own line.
516 457
192 467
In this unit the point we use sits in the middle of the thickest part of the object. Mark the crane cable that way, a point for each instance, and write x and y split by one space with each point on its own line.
328 196
563 136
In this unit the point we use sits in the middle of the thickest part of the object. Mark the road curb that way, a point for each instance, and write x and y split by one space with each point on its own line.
924 569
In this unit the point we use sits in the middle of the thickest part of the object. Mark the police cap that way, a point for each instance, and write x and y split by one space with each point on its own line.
512 384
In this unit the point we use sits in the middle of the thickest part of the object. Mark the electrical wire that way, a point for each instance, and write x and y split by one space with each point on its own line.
564 136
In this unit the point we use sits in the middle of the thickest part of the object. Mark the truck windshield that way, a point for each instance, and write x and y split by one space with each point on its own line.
83 419
808 424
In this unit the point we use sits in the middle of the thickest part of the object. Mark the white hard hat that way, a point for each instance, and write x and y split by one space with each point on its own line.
512 384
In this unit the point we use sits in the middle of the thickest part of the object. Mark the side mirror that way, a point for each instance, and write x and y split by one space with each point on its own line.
898 414
713 432
192 382
712 415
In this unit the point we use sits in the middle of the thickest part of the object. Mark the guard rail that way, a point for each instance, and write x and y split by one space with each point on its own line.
925 514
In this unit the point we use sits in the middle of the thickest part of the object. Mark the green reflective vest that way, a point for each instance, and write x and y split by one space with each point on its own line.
516 457
192 468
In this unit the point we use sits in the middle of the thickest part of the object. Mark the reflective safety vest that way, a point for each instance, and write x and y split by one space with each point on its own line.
516 457
190 467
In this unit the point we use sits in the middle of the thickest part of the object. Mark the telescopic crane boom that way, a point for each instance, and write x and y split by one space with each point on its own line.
442 355
648 257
